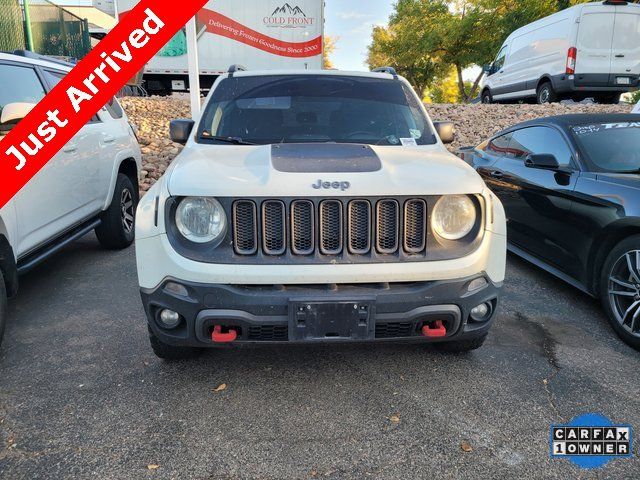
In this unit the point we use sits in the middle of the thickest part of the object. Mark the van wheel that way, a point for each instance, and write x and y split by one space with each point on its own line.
486 97
620 290
171 353
608 99
117 227
546 94
3 306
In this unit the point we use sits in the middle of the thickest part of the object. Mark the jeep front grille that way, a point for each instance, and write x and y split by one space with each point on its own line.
331 227
274 241
302 227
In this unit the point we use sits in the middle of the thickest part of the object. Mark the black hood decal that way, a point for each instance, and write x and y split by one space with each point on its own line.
324 158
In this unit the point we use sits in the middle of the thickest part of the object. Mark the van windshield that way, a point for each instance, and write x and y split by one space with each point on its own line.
612 147
314 108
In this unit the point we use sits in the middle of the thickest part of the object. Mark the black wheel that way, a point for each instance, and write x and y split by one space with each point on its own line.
461 346
117 229
608 99
486 97
546 94
3 306
171 353
620 290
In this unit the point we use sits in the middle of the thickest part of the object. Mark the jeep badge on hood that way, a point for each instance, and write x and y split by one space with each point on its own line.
320 184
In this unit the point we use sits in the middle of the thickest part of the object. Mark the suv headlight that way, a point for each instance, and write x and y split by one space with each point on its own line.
453 217
201 219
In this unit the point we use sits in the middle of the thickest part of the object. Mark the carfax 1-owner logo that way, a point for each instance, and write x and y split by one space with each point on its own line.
591 441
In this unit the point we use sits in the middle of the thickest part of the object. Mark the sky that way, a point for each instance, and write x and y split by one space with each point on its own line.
352 22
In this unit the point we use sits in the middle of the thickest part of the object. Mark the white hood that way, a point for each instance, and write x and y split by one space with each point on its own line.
250 171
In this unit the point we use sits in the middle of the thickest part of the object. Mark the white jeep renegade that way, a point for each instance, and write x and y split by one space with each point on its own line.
317 207
92 184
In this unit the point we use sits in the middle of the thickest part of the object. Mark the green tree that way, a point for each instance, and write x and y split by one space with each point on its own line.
425 39
392 47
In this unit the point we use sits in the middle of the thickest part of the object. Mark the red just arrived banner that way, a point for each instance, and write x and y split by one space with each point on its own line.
87 88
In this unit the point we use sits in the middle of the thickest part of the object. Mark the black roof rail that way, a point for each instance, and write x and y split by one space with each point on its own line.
236 68
389 70
44 58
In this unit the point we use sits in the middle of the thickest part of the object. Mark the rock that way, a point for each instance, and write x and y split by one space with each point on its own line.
474 124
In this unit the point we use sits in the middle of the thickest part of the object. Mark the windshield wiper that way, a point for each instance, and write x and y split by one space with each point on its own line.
233 140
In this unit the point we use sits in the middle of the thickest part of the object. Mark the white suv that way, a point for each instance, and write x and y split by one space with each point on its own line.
317 207
92 184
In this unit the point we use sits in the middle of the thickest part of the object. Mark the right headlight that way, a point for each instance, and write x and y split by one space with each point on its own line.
201 219
453 217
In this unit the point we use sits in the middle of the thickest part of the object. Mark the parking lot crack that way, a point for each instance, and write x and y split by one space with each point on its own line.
548 347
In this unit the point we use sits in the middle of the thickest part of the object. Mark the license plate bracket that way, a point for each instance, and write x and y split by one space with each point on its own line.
331 321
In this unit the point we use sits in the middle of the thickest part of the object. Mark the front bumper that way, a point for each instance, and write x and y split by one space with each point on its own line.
271 313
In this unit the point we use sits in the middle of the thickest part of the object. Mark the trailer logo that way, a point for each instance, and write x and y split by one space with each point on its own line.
287 16
591 441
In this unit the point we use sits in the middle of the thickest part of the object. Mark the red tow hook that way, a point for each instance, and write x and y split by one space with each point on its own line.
437 331
218 337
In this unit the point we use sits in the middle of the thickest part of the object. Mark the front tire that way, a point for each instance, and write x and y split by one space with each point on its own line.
460 346
117 227
620 290
487 98
546 94
171 353
3 307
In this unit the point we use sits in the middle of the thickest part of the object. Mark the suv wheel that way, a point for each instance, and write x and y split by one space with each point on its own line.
171 353
546 94
3 306
461 346
620 290
117 229
486 97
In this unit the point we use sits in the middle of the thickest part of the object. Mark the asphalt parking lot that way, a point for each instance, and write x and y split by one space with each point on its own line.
82 395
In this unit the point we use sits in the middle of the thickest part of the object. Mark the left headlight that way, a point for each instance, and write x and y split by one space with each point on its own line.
201 219
454 217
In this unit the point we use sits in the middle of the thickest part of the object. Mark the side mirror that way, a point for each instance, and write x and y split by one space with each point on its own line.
12 113
446 131
542 161
180 130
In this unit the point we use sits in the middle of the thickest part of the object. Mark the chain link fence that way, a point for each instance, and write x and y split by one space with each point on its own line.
55 31
44 28
11 26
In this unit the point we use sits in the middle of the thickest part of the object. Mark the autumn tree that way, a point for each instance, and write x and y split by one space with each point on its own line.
328 50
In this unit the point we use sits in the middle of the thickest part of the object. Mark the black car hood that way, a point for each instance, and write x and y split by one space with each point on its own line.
624 179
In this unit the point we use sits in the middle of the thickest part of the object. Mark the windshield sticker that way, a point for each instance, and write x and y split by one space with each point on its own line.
408 142
599 127
417 134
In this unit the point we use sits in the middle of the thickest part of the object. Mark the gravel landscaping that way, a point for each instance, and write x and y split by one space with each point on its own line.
474 124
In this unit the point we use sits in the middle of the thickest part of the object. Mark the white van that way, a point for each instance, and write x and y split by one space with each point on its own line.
587 51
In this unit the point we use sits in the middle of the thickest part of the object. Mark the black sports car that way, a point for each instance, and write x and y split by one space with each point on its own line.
571 189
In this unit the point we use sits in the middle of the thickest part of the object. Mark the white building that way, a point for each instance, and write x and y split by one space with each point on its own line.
107 6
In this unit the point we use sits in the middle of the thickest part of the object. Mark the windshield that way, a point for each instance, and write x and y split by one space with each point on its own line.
314 108
612 147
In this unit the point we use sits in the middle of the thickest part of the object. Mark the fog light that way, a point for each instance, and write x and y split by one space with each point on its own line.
481 312
176 289
477 284
169 319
